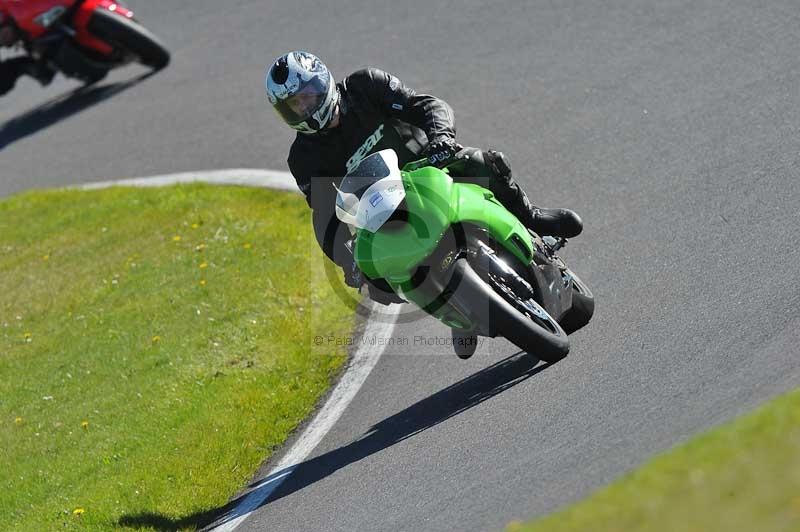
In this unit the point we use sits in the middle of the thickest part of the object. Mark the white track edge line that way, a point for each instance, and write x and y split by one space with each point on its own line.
358 368
234 176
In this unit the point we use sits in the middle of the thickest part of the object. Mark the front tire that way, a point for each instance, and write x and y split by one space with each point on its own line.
523 322
130 36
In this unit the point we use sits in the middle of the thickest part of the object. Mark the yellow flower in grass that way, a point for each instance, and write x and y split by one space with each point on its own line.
247 245
45 257
202 282
28 336
195 225
18 420
78 511
156 339
200 247
203 265
85 425
176 238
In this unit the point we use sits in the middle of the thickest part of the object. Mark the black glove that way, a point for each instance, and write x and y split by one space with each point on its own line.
441 150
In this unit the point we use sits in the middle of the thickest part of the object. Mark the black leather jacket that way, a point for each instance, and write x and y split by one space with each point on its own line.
377 112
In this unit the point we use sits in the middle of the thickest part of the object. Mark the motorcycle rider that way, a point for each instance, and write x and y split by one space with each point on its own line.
12 69
370 110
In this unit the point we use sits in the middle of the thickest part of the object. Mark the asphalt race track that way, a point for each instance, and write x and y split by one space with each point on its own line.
671 126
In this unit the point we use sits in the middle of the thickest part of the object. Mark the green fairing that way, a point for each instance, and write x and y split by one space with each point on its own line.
478 206
434 202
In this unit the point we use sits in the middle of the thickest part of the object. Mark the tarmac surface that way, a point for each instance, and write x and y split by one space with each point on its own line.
672 127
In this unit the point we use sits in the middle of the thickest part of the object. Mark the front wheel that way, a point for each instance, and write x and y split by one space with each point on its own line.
129 36
520 320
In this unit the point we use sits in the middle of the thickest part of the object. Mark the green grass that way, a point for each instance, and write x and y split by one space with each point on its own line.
155 347
744 476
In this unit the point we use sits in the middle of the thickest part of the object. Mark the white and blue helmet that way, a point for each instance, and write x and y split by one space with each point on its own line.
302 91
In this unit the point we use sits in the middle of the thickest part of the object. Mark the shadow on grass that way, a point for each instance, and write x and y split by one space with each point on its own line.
429 412
60 108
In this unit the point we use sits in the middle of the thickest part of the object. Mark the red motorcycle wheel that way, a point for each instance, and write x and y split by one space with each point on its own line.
130 36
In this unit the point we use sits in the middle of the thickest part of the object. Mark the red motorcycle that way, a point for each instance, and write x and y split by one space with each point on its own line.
84 39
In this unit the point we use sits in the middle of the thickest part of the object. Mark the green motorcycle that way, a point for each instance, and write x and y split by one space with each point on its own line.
454 251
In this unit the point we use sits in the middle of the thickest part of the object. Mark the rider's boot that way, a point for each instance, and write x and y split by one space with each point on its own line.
555 222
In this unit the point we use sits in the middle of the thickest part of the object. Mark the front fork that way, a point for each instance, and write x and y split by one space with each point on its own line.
434 286
81 20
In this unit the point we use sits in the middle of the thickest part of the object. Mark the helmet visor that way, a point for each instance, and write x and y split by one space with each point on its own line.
305 102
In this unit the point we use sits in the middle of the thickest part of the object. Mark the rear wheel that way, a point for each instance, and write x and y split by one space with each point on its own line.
582 306
130 36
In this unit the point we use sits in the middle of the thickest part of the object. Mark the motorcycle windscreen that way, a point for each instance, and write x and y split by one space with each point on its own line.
368 196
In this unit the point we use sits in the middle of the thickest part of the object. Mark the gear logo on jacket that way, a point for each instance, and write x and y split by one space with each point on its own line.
364 149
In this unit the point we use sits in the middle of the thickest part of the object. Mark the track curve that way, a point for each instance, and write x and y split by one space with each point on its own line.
670 126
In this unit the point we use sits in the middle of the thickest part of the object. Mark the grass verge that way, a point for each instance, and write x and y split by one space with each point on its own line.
155 347
743 476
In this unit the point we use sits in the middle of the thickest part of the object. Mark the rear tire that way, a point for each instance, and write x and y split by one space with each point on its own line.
129 35
582 308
